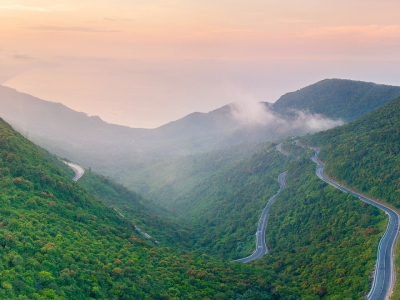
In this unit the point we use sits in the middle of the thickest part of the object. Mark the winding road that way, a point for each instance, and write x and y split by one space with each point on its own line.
279 148
79 171
261 245
385 272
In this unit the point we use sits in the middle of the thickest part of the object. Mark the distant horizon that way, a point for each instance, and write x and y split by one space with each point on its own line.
143 64
205 112
250 104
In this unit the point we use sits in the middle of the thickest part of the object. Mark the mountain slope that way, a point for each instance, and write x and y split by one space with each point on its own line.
225 208
366 153
135 157
147 216
323 242
57 241
338 98
71 132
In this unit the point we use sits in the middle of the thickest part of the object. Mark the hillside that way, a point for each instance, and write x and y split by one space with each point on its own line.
365 153
323 242
225 208
59 241
165 180
169 161
337 98
152 219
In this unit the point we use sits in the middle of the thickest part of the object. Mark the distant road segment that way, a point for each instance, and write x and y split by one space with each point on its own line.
261 245
279 148
79 171
385 272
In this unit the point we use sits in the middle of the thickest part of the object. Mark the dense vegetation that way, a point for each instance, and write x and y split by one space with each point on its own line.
323 241
338 98
58 241
225 208
164 180
153 220
365 154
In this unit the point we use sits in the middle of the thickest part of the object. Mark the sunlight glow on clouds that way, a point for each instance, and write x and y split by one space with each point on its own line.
23 7
150 62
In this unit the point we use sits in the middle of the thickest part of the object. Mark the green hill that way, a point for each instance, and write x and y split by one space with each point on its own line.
365 153
323 242
58 241
338 98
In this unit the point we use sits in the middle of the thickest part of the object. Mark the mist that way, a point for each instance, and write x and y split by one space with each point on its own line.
261 114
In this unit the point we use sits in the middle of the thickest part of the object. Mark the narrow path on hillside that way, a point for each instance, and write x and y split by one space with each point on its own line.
79 171
385 272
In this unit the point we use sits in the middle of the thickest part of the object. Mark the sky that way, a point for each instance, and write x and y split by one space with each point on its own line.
144 63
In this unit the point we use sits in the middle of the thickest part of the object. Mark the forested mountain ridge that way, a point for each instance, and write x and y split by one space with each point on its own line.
338 98
58 241
365 153
323 242
176 147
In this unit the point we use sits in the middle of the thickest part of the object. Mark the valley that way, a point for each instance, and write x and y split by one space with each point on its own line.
200 188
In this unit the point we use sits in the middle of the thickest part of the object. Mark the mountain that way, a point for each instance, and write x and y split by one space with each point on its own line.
59 241
66 132
60 129
323 242
71 131
337 98
68 235
365 154
172 150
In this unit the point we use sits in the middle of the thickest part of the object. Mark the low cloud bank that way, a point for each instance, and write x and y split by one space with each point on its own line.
259 114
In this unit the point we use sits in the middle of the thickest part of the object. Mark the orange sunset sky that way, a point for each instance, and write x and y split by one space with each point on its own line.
143 63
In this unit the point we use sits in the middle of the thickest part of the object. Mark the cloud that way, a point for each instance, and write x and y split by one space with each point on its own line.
22 56
368 33
259 114
313 122
227 32
119 19
295 21
86 58
69 29
252 113
23 7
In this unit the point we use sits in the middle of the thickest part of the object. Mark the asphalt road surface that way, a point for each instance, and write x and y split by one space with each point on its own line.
385 273
79 171
261 245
